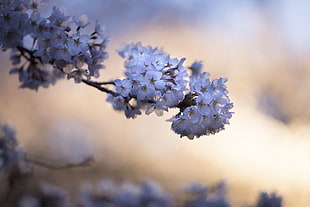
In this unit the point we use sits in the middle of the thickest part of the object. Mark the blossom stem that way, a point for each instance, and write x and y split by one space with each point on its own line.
23 50
99 87
106 83
31 57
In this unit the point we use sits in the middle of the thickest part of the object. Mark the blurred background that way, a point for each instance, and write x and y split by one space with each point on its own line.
261 46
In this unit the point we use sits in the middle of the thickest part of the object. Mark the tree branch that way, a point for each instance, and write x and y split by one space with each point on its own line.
99 87
86 162
106 83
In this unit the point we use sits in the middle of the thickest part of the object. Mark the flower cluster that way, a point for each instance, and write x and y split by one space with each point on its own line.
154 81
106 194
268 200
204 196
206 108
56 47
199 196
127 194
46 195
11 156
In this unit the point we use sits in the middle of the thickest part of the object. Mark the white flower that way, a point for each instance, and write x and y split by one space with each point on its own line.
34 19
78 44
154 78
201 84
61 52
9 19
196 68
45 42
123 87
81 21
144 92
36 4
181 126
192 114
160 61
99 30
118 102
131 112
59 38
59 19
169 99
204 103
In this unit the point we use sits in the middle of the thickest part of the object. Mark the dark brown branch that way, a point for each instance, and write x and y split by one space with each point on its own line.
106 83
99 87
189 100
23 51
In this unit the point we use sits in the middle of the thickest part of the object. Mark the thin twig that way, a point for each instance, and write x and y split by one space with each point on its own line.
84 163
99 87
22 51
32 58
106 83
